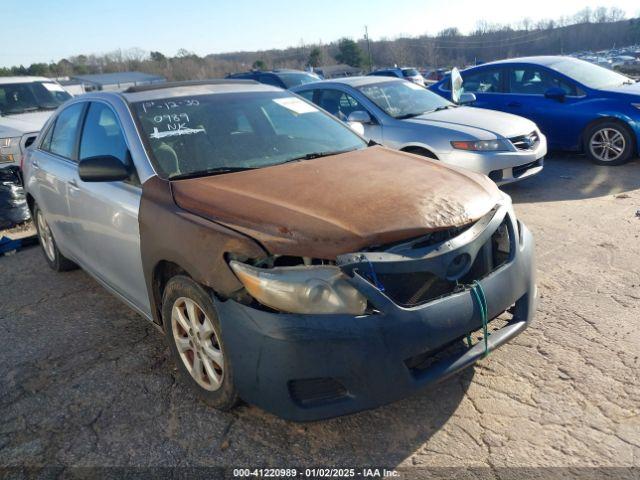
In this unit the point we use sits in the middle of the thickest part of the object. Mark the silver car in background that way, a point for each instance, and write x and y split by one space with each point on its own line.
405 116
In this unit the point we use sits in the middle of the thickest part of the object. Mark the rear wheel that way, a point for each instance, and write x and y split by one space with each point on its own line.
52 255
194 335
609 143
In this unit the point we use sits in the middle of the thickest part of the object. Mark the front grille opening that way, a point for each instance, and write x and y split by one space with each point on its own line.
526 142
496 175
416 288
423 361
522 169
312 392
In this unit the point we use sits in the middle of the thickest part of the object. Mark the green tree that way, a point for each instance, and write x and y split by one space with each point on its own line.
259 65
315 57
38 69
350 53
157 57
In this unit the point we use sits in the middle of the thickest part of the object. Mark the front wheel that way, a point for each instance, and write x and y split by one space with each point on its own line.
194 335
609 143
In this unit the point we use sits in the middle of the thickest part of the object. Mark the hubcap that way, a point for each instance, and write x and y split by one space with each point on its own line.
46 239
198 343
607 144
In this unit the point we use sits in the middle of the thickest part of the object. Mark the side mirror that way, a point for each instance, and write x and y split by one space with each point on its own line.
466 98
359 116
556 93
104 168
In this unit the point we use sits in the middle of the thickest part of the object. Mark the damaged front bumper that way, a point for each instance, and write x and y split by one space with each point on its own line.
310 367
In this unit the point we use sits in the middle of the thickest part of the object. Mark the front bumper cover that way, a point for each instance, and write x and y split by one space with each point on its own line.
367 354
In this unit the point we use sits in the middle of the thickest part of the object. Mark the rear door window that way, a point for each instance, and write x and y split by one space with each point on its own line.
488 80
338 103
533 80
65 131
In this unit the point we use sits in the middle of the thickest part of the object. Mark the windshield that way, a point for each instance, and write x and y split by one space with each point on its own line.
410 72
590 75
403 99
294 79
198 135
30 97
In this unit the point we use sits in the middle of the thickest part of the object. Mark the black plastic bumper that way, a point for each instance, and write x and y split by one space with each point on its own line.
366 355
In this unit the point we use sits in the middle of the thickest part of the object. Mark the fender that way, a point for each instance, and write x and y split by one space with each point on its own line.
168 233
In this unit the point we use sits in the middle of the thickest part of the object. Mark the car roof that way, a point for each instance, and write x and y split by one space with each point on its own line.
544 60
23 79
273 72
354 82
184 89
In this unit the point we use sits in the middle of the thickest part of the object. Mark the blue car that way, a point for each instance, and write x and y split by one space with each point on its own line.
578 105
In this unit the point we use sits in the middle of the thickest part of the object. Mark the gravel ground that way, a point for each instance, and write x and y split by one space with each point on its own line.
84 381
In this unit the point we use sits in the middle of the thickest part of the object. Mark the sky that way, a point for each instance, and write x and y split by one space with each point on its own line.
47 30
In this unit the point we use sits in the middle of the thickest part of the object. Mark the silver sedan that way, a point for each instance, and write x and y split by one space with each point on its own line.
405 116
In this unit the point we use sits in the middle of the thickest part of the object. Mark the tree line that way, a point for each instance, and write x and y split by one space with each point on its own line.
589 29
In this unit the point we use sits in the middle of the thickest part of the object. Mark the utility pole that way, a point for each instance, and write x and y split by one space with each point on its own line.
366 35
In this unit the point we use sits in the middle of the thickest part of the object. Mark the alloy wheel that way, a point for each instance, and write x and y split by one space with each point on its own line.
198 343
607 144
46 239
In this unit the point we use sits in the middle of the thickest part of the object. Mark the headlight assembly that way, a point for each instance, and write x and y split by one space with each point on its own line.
318 289
481 145
9 149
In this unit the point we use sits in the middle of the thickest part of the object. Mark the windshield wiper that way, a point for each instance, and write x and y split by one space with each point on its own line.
313 155
412 115
209 171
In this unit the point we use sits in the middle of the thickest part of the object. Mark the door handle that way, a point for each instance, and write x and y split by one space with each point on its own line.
514 104
35 165
73 186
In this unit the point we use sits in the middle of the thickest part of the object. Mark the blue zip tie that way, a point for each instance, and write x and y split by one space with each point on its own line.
378 285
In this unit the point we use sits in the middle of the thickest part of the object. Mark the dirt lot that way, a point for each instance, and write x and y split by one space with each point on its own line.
85 381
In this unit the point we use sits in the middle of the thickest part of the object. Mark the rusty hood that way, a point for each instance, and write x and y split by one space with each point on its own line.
333 205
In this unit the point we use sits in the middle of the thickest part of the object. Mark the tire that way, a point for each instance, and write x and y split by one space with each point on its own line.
52 255
198 352
609 143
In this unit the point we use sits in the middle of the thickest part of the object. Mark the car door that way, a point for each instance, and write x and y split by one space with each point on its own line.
53 168
487 85
341 104
558 119
106 213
